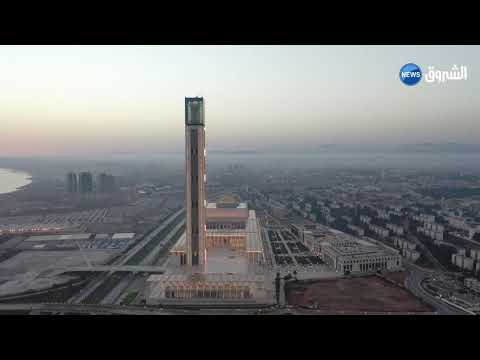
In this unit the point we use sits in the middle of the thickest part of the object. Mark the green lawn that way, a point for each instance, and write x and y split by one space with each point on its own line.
129 298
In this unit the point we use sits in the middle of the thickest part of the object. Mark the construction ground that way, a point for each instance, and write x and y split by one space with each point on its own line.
355 294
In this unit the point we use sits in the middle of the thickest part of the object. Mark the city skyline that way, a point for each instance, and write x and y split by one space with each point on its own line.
89 100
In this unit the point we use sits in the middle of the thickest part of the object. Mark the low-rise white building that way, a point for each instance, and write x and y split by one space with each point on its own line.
434 227
411 255
330 219
397 230
435 232
365 219
458 260
475 254
403 243
468 225
380 231
468 263
382 214
356 258
424 218
473 284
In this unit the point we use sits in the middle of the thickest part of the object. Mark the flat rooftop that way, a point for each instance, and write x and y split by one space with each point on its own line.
102 236
356 250
215 213
225 261
84 236
122 236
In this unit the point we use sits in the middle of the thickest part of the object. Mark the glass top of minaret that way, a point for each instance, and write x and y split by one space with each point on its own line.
194 111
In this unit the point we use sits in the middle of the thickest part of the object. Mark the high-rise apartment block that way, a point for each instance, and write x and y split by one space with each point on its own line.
72 182
85 182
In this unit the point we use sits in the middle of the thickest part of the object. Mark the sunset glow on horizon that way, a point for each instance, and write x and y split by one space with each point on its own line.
110 99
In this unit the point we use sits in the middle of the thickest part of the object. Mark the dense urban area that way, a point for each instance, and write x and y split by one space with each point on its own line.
375 240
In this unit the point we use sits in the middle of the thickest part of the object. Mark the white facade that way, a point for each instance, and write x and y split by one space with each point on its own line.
357 258
473 284
433 231
424 218
330 219
468 263
397 230
382 214
404 244
475 254
380 231
458 260
411 255
210 288
468 225
365 219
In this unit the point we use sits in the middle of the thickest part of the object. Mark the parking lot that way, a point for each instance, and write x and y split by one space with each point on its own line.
290 254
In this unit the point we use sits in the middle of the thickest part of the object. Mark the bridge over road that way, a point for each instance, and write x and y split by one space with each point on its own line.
114 268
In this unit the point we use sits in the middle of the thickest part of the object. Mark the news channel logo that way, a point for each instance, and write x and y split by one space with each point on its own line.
410 74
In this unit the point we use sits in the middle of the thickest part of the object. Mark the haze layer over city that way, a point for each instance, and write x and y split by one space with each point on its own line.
266 179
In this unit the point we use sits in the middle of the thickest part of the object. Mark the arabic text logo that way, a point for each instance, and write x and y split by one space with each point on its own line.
442 76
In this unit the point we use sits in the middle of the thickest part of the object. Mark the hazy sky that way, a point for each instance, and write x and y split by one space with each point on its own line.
110 99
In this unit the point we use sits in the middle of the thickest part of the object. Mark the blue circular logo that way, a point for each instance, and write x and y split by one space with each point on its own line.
410 74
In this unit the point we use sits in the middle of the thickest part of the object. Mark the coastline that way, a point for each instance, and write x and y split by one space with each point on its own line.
28 177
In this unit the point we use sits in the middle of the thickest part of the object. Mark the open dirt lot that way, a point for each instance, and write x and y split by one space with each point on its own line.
398 277
370 293
35 270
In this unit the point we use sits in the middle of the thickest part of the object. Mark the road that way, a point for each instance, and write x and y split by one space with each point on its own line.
92 286
117 292
132 310
414 284
150 258
427 252
113 268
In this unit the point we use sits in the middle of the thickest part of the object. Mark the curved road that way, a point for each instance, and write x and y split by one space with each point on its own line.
414 284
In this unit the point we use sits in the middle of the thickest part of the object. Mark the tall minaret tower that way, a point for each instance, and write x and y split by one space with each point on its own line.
195 181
